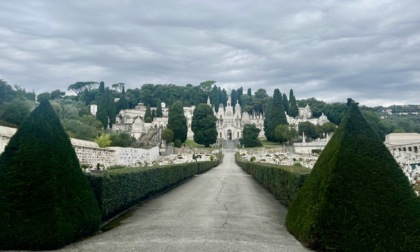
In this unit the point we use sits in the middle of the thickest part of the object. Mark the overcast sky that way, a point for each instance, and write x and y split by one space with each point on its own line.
330 50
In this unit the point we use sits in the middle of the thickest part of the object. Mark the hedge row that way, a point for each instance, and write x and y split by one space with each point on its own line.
118 190
283 182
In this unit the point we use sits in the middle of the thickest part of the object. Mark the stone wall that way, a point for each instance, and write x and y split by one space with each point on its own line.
133 156
91 156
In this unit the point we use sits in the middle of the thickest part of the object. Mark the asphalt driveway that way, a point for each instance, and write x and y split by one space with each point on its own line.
223 209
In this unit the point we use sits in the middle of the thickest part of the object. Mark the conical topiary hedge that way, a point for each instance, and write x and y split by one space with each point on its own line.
356 197
45 199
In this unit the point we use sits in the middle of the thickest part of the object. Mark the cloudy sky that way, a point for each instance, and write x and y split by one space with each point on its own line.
331 50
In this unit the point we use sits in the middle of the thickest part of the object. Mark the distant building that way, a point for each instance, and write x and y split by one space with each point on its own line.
230 120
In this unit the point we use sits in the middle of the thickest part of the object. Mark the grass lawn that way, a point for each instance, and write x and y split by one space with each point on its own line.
192 144
268 144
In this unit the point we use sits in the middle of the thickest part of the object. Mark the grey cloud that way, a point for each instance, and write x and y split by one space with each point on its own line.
329 50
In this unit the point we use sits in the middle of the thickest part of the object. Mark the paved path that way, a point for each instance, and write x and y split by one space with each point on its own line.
221 210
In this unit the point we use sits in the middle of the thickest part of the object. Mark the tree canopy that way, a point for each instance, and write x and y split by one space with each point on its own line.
177 121
204 125
274 116
250 136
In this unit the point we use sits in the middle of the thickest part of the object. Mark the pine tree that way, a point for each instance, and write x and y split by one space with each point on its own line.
285 103
204 125
177 121
46 201
274 116
356 198
293 108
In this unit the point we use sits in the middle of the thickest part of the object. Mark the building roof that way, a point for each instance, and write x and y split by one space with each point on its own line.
83 143
402 138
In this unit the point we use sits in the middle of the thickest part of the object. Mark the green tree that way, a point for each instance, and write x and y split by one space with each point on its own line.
122 139
111 109
328 127
250 136
357 197
177 121
118 87
80 86
101 99
106 112
283 133
285 103
274 116
207 85
122 102
15 111
148 115
104 140
310 130
159 112
57 94
43 96
260 100
204 125
293 108
6 92
46 201
167 135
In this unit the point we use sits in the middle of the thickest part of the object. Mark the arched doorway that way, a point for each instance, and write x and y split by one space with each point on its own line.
229 134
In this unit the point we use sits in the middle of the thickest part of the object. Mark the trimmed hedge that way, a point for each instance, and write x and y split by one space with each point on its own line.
118 190
283 182
46 201
356 198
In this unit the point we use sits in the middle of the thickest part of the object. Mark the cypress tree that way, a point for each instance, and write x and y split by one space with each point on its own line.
356 198
122 102
177 121
274 116
293 108
111 109
148 115
159 109
46 201
285 103
101 100
102 87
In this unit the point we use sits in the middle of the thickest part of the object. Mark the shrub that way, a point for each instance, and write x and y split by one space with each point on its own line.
45 199
297 164
178 143
118 190
316 151
283 181
356 197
